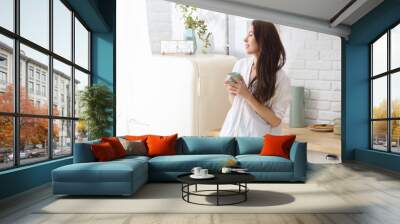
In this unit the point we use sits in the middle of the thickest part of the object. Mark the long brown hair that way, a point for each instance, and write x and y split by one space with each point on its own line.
272 57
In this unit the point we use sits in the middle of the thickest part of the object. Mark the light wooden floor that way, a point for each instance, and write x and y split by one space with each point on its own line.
379 189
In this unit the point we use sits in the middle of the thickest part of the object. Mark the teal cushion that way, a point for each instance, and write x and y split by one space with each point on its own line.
257 163
185 163
83 152
133 157
249 145
195 145
111 171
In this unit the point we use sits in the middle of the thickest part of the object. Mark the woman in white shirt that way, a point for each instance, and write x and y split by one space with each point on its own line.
261 95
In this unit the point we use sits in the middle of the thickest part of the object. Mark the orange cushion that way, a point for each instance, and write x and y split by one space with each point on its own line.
116 145
277 145
103 152
161 145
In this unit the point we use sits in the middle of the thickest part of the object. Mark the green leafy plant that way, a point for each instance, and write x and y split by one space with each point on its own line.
192 21
96 102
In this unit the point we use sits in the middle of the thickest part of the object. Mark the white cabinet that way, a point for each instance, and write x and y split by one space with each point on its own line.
177 94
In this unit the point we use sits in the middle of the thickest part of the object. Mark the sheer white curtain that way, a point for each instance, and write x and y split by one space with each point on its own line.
133 55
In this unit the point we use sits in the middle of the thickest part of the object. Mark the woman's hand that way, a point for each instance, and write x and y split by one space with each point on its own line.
238 89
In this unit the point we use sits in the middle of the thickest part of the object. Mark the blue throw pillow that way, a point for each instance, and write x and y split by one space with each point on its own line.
192 145
249 145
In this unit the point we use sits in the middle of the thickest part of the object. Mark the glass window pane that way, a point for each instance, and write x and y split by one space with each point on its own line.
395 47
6 142
379 135
7 14
62 29
6 74
35 21
33 139
62 138
379 55
395 94
81 45
395 138
379 97
81 81
62 89
81 131
34 97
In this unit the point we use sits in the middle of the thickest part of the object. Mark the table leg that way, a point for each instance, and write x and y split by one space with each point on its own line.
188 190
182 190
217 194
196 187
245 193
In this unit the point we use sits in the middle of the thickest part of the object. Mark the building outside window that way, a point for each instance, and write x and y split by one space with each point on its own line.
38 89
3 78
3 60
44 77
37 75
43 90
30 87
3 72
30 72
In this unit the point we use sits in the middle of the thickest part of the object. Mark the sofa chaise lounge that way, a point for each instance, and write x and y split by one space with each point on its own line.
125 176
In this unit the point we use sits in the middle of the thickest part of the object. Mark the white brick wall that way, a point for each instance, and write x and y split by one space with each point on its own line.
313 59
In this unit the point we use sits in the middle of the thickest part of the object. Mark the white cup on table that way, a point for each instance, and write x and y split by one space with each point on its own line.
196 171
203 172
226 170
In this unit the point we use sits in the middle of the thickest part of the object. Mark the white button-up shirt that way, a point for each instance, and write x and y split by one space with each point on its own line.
242 120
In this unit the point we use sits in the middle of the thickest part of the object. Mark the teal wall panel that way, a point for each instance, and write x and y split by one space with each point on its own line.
379 159
103 59
89 11
24 178
356 99
355 56
103 63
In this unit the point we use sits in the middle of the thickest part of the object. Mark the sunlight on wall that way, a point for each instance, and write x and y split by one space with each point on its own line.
133 54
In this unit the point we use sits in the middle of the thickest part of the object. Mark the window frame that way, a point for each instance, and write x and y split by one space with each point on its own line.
388 74
16 114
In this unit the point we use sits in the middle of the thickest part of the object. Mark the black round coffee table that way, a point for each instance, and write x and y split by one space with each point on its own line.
238 179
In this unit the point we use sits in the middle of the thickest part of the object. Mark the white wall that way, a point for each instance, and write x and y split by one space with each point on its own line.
313 59
132 46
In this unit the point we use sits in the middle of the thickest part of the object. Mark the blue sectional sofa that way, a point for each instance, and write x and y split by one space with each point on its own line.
125 176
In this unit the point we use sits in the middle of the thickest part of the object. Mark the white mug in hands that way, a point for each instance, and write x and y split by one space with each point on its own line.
196 171
232 76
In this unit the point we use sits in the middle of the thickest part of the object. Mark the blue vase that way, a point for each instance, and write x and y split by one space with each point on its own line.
189 34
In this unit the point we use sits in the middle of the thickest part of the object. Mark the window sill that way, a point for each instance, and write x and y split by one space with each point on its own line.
26 167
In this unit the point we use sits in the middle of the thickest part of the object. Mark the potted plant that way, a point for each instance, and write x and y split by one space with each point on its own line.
96 102
194 25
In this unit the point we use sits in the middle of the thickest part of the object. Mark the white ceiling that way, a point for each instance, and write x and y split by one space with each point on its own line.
320 9
315 15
